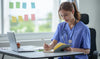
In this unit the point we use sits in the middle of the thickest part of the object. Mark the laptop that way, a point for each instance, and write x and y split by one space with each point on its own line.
13 44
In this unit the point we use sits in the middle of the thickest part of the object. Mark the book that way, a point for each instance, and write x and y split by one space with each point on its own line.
58 48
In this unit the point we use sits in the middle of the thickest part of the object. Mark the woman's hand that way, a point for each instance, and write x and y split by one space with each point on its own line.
85 51
46 47
51 46
68 49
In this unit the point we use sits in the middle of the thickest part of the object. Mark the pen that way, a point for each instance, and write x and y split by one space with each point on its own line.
43 40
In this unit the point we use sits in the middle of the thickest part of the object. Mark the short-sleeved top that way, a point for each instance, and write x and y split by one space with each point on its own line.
79 35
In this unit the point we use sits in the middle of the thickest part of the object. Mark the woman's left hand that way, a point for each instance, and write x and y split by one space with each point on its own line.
68 49
86 51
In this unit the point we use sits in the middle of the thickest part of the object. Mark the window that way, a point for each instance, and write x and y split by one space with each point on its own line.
25 16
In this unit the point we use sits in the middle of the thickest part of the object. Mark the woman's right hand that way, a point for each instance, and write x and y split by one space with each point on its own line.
46 47
51 46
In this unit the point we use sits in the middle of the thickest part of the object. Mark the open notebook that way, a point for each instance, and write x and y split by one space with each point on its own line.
13 44
58 48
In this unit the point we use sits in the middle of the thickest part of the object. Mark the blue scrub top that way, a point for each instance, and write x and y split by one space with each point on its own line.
79 35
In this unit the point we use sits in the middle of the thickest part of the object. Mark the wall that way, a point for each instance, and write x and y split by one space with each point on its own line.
92 7
0 15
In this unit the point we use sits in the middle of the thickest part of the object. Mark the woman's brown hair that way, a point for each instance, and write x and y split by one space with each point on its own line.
68 6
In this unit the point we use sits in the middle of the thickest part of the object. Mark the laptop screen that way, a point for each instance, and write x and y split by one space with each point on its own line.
12 40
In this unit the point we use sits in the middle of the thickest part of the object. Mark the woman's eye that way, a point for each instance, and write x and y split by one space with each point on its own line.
61 15
65 15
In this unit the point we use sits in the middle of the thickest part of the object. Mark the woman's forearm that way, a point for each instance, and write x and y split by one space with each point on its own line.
86 51
53 43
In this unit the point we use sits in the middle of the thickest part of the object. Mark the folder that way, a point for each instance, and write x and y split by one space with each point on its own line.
58 48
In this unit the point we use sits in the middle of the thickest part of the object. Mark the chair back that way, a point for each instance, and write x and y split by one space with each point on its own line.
85 20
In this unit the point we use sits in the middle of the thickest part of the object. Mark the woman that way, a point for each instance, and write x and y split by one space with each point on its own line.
72 31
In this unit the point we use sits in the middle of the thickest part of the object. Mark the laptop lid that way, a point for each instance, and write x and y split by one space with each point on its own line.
13 44
12 40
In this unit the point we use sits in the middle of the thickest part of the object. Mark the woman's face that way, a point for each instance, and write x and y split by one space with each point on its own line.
67 15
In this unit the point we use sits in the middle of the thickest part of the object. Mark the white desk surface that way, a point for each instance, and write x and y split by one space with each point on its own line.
34 55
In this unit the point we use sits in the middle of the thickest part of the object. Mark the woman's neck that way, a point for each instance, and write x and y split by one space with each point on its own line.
72 24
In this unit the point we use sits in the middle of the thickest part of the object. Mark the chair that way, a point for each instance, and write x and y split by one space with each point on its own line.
93 53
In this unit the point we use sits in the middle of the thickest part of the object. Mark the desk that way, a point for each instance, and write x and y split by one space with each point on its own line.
38 55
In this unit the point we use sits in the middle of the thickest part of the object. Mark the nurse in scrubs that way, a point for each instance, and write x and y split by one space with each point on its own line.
72 31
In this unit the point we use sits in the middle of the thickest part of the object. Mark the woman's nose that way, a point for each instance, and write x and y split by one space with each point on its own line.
64 17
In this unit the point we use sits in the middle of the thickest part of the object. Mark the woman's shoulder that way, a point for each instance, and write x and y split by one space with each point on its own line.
82 25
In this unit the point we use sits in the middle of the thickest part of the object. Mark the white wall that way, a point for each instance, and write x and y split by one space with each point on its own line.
92 7
0 16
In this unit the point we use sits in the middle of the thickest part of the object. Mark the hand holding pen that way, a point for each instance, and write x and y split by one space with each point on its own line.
46 46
